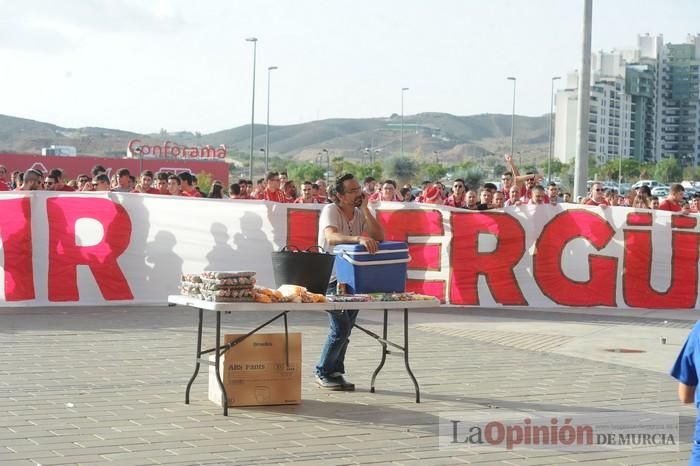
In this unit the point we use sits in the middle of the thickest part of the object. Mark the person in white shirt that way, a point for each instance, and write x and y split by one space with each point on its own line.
344 222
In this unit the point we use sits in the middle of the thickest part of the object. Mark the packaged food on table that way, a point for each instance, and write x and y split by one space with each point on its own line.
191 278
211 285
235 281
229 293
221 275
350 298
227 299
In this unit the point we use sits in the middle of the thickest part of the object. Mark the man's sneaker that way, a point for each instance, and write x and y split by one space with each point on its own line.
328 382
346 385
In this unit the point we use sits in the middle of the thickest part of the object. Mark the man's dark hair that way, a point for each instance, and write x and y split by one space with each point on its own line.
391 182
368 179
82 175
97 169
101 177
186 177
315 186
241 182
32 172
677 188
235 188
52 177
644 189
162 176
132 178
147 173
123 172
507 174
426 183
552 183
260 180
56 173
176 178
284 173
460 180
490 187
271 175
404 191
339 187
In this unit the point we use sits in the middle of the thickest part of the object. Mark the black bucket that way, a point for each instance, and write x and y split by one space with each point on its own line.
312 270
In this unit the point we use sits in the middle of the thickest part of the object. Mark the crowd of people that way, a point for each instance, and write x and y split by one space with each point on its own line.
515 189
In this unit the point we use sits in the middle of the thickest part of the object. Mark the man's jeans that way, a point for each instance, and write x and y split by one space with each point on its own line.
333 353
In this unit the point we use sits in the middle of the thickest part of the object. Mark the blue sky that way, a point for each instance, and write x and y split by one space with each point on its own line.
183 65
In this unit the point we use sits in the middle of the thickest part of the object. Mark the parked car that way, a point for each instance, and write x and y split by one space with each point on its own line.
650 183
660 191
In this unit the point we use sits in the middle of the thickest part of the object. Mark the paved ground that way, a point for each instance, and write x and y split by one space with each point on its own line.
84 386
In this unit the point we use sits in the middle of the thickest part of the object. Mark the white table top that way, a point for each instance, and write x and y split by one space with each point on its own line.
281 307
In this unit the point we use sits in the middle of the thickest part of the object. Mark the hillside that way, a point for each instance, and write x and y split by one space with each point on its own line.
455 138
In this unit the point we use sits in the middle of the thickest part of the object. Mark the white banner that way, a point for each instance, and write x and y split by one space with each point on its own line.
105 249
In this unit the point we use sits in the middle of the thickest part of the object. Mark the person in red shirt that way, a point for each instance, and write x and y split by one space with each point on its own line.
386 193
146 184
162 183
307 194
537 195
244 189
290 190
57 173
674 200
174 184
272 190
596 196
50 183
31 181
3 183
187 185
458 198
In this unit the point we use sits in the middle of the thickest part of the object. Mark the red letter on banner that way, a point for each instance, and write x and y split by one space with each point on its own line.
302 228
398 226
468 263
683 290
599 290
65 255
16 234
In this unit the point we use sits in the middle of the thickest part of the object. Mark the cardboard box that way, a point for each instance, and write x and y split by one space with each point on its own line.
254 372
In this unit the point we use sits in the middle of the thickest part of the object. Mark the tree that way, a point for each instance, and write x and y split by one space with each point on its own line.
401 169
668 170
432 171
204 181
304 171
691 173
473 177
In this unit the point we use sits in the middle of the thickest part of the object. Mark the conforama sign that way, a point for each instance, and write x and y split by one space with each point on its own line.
171 150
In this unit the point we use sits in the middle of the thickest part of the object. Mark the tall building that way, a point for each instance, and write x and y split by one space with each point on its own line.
680 114
609 121
644 104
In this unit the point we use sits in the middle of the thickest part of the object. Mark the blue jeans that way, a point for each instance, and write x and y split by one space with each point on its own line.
333 353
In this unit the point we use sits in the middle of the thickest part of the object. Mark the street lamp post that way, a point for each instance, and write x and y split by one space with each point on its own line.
254 40
403 89
328 165
267 126
512 124
551 123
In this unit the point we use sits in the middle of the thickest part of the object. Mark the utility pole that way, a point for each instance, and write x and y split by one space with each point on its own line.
584 95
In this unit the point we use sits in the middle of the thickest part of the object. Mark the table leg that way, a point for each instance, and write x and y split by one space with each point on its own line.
384 351
405 353
217 358
199 355
286 342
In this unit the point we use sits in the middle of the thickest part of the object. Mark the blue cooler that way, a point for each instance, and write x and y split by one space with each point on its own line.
362 272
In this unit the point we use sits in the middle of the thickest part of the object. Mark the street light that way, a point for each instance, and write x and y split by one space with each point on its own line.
403 89
328 165
551 123
512 123
254 40
267 126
